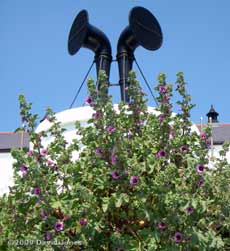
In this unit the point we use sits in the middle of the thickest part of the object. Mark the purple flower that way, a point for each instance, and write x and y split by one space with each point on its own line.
23 119
184 149
126 88
118 229
203 136
167 97
98 151
161 118
134 180
43 152
24 169
59 226
96 115
208 144
162 226
161 153
88 100
55 167
200 168
178 237
200 182
43 214
30 153
189 210
37 191
48 118
129 135
48 236
115 175
50 162
171 135
163 88
113 159
83 221
138 110
140 123
110 129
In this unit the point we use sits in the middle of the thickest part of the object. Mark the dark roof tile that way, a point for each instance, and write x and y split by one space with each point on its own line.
13 140
220 132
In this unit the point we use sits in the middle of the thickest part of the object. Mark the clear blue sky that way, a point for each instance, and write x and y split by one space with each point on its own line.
34 58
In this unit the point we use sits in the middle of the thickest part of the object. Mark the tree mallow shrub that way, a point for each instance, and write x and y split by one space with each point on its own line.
141 181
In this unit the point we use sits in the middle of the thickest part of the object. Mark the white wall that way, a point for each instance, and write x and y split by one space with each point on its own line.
67 119
6 175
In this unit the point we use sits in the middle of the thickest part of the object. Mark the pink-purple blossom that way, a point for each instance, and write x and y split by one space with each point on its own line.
98 151
200 182
171 135
83 221
37 190
43 214
24 169
110 129
163 88
167 97
118 229
162 226
30 153
113 159
59 226
189 210
161 118
208 144
48 236
23 119
50 162
96 115
44 152
115 175
88 100
200 168
48 118
161 153
140 123
129 135
184 148
203 136
134 180
178 237
55 167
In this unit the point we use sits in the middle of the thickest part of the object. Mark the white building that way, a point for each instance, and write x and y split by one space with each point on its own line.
220 133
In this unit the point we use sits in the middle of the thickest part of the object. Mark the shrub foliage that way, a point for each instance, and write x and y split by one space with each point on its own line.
141 181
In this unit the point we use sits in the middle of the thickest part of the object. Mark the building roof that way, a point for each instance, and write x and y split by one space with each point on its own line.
220 132
9 140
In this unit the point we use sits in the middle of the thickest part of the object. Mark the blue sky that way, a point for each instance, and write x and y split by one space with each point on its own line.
34 58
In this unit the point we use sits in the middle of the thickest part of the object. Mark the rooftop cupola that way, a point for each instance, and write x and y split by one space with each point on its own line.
213 115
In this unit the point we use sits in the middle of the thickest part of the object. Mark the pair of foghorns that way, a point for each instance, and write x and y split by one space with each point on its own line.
143 29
